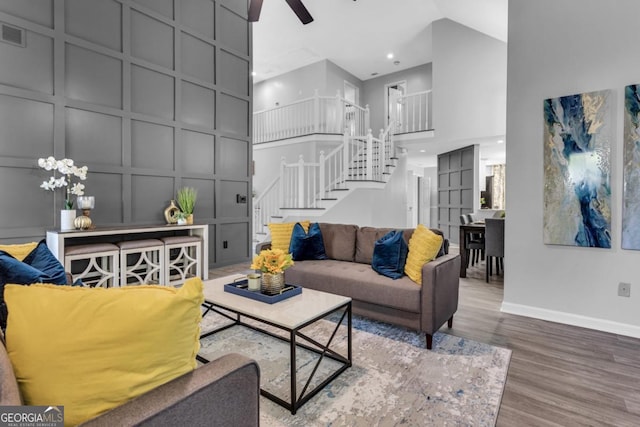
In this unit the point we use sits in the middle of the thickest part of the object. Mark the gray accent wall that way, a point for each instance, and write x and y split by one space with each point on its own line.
150 95
457 188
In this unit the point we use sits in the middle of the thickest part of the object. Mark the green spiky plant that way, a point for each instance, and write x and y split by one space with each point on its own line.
186 198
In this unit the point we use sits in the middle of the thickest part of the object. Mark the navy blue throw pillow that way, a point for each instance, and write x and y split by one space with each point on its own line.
42 259
40 266
390 255
307 246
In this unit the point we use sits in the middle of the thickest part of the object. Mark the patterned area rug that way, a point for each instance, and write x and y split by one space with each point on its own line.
394 380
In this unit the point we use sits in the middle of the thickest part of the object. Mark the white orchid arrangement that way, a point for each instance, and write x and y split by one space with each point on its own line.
68 170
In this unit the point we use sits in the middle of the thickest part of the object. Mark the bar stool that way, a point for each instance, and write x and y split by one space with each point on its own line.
142 261
183 258
101 264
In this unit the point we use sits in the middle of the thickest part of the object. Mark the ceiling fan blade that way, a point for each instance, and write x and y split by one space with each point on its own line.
254 10
300 10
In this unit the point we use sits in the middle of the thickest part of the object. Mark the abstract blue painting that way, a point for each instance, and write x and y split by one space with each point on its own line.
631 169
577 190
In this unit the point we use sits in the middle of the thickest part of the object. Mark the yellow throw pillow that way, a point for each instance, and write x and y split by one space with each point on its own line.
92 349
19 251
281 233
423 247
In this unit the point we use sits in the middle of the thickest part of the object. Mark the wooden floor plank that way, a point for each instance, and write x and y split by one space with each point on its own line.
559 375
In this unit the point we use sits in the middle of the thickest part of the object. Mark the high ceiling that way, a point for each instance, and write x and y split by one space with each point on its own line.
357 35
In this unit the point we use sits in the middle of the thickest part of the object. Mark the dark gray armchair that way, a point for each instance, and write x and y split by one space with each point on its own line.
224 392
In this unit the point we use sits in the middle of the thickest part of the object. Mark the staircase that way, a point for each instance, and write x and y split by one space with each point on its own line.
310 189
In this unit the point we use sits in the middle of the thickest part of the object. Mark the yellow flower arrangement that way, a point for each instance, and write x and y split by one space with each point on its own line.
272 261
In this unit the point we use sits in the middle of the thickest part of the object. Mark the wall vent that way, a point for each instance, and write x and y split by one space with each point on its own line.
12 35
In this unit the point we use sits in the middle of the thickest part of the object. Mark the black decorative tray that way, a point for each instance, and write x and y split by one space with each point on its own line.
240 287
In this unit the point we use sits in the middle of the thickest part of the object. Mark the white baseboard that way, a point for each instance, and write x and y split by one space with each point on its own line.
572 319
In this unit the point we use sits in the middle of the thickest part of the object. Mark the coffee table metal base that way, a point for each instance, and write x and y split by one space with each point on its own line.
324 350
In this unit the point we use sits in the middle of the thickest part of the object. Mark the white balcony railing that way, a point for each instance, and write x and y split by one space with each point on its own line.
318 114
411 112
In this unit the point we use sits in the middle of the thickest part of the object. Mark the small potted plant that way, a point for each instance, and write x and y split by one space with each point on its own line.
186 198
181 218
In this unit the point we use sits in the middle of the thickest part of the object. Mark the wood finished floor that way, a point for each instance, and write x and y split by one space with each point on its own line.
559 375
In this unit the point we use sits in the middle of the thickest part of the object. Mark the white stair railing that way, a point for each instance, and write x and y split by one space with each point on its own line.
411 112
302 185
318 114
370 156
265 207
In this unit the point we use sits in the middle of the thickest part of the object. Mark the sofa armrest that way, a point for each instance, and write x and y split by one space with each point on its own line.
262 246
224 392
440 284
9 391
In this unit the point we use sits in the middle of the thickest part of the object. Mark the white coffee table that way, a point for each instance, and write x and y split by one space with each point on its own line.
290 315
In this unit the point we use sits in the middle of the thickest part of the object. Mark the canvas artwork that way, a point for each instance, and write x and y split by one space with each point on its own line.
577 191
631 169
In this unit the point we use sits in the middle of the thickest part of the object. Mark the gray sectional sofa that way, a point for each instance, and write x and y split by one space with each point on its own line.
402 302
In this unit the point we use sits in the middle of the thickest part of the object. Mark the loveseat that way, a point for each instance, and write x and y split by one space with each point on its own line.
224 392
347 271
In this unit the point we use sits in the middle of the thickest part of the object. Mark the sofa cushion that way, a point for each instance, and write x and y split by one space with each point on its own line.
92 349
307 245
390 255
281 233
357 281
339 240
423 247
366 238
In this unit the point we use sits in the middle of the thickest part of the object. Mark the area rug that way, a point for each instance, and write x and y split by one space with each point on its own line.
394 380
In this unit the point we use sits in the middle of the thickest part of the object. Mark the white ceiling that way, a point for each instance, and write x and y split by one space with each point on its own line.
357 35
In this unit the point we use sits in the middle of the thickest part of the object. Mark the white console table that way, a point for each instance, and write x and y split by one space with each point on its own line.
58 239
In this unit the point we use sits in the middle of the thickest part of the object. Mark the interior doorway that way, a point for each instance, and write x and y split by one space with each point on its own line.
352 96
351 93
393 104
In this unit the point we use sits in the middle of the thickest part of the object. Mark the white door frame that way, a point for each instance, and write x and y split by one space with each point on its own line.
403 85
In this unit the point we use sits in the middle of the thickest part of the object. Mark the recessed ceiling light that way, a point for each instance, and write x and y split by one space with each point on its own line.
253 73
423 151
389 55
500 141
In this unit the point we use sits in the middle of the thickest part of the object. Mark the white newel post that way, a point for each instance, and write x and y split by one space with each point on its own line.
316 112
382 152
322 175
369 157
340 122
345 158
301 183
367 117
281 195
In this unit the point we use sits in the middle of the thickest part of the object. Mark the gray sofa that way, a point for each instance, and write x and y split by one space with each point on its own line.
402 302
224 392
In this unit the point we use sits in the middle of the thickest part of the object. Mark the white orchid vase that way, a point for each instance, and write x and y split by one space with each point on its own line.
67 170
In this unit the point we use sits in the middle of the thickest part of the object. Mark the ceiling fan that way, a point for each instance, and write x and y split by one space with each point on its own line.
296 5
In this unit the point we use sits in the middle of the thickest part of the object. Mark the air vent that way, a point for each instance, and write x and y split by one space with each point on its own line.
12 35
